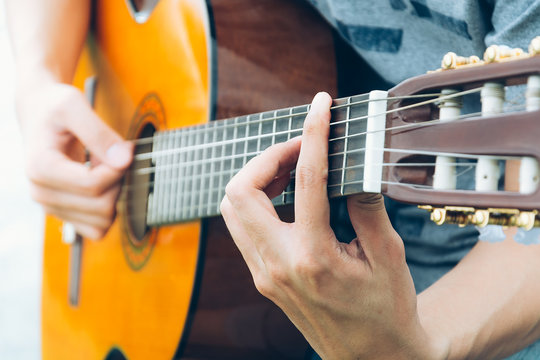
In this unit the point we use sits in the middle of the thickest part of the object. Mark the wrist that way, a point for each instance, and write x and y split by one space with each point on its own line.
433 344
437 343
31 80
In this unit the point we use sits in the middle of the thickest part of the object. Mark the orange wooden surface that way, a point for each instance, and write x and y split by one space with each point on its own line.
120 306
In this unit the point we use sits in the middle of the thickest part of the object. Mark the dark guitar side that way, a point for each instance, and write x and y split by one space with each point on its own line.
270 54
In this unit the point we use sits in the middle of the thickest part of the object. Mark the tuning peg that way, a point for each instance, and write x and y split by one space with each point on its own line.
496 53
534 47
452 61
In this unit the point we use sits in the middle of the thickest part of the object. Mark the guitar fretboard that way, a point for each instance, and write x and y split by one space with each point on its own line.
193 165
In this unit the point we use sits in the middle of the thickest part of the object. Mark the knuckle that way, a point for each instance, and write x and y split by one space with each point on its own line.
36 193
96 233
263 286
308 176
91 186
35 168
234 191
309 269
41 196
396 250
311 126
108 204
316 122
64 99
109 211
223 206
278 275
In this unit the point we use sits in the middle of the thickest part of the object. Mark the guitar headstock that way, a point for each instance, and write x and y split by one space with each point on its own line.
464 140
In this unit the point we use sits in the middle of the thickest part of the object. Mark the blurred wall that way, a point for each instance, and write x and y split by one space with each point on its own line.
20 228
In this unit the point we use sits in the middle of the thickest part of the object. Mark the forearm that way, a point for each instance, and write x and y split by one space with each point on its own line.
488 306
47 38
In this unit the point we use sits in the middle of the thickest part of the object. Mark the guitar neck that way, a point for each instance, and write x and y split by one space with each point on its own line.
192 166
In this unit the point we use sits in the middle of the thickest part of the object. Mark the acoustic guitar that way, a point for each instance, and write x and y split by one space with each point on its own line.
167 281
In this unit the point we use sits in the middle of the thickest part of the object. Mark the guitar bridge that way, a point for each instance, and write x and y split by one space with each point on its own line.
463 216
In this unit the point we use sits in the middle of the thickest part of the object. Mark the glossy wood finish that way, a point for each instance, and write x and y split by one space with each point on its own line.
143 297
514 134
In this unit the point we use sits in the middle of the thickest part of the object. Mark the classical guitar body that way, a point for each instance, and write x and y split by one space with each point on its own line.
179 291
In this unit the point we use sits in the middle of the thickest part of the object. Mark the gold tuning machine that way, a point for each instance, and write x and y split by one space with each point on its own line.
494 53
453 61
534 47
463 216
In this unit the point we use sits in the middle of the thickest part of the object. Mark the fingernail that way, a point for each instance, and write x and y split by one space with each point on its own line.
318 99
119 155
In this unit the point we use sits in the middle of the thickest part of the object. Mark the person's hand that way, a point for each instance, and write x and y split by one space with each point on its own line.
350 301
58 127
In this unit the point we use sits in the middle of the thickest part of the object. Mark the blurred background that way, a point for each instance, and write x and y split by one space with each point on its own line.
21 224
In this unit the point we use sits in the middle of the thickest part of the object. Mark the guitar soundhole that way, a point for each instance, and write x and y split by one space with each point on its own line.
139 185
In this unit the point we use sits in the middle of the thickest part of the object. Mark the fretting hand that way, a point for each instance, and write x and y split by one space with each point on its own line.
352 300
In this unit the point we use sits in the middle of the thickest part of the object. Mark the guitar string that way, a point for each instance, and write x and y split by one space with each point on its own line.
160 153
194 177
206 205
231 171
416 164
151 169
214 205
224 125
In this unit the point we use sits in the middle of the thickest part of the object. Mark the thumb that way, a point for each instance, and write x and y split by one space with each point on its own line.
372 225
101 141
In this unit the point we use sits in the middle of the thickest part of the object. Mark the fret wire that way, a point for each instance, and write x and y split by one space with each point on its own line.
289 127
157 194
221 189
258 149
181 175
174 185
342 189
202 183
189 176
212 170
151 198
233 152
193 182
169 192
274 130
246 142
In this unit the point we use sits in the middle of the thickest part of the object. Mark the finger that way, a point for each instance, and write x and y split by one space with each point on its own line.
98 222
246 189
103 205
277 186
55 170
102 141
89 231
241 238
375 233
311 201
